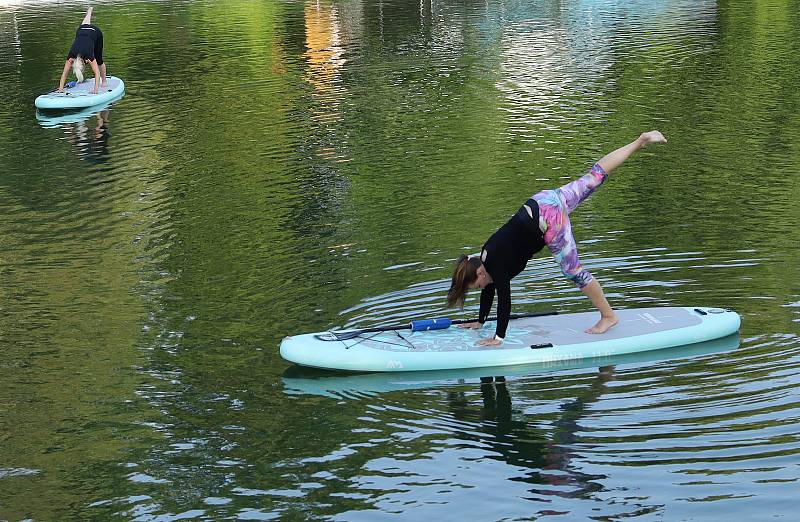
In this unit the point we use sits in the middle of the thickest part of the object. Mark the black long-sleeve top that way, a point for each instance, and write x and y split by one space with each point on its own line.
504 256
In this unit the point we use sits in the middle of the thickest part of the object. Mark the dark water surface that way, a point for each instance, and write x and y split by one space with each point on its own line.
281 167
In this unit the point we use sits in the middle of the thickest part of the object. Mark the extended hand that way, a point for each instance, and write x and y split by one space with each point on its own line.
475 325
653 136
491 341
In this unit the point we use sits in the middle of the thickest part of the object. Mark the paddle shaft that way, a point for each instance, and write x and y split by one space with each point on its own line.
456 321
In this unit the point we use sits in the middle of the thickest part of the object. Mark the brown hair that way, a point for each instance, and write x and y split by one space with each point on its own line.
465 273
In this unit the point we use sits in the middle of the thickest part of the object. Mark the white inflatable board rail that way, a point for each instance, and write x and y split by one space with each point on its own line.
530 340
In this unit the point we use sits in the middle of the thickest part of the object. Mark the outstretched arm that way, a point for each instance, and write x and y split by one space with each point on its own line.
503 287
614 159
64 74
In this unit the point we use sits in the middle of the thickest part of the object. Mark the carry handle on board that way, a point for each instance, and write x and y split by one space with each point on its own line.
421 325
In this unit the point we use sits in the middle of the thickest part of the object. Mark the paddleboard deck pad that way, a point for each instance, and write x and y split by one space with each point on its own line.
79 96
529 340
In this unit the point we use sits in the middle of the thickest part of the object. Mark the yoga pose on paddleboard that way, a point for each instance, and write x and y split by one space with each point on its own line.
87 47
542 220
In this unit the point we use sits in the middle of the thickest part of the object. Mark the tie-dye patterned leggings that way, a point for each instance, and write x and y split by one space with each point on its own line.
554 209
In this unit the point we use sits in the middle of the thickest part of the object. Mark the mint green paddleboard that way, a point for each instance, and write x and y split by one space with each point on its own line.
80 95
301 380
529 340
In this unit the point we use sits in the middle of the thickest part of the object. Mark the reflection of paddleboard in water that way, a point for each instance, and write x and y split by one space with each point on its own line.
529 340
298 380
58 119
79 95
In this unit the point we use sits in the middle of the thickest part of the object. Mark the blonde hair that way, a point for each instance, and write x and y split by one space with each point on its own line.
465 273
77 67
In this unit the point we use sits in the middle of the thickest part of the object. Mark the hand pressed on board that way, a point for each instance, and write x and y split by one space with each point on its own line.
491 341
475 325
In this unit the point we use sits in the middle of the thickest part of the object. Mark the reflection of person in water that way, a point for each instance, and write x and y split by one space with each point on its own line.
523 445
90 136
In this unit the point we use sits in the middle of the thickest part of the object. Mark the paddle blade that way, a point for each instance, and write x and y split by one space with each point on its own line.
338 336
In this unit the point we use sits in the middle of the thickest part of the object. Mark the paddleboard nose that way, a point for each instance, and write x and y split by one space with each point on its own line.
291 350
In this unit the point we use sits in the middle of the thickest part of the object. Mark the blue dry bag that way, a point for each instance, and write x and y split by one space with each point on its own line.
430 324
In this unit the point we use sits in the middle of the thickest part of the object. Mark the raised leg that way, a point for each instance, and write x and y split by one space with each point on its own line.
87 20
576 191
614 159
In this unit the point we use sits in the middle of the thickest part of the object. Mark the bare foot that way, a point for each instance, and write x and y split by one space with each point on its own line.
603 324
653 136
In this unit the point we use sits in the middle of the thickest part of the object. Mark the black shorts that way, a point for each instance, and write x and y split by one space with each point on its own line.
528 220
88 44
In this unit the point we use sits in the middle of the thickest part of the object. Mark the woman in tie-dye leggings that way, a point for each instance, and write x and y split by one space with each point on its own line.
505 253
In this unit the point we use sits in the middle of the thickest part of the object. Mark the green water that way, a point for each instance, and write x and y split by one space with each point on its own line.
277 168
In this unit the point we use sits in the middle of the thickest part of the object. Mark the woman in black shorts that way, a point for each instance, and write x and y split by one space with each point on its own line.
87 47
